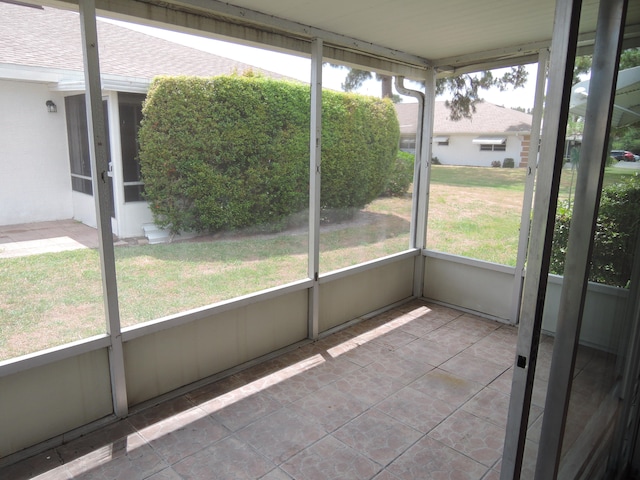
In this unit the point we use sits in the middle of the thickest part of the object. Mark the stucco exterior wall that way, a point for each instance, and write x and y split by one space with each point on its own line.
462 151
35 183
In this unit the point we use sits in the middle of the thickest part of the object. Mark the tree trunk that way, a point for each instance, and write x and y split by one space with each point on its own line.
386 82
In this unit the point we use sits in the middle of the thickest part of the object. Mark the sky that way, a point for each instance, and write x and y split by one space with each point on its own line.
332 78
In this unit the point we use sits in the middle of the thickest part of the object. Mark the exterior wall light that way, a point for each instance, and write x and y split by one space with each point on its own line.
51 107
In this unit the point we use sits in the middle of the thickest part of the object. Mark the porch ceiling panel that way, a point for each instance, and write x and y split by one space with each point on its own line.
456 33
430 29
453 36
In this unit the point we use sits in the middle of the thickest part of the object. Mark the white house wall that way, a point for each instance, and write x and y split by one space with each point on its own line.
462 151
35 184
131 216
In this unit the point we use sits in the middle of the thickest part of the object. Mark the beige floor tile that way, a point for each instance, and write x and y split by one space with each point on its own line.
166 474
385 475
229 459
503 382
276 474
490 405
368 386
474 368
431 459
281 435
47 465
416 409
235 412
427 351
183 434
330 459
456 340
378 436
447 387
473 325
331 408
472 436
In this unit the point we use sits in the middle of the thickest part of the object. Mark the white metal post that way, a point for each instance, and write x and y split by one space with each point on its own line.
99 172
424 160
425 157
315 157
532 167
563 49
418 270
593 155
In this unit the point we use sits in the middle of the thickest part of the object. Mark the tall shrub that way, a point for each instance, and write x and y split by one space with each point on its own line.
229 152
615 237
401 175
360 137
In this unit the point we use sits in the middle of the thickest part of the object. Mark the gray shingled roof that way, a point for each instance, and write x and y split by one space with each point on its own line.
488 119
50 38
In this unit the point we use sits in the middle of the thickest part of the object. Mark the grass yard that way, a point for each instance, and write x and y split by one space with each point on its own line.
475 212
56 298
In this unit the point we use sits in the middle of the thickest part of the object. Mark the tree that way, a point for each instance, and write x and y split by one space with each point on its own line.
355 78
581 66
465 88
630 58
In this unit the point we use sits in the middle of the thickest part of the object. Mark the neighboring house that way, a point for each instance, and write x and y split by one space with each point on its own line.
492 134
43 127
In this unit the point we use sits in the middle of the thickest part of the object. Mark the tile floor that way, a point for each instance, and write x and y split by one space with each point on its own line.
420 392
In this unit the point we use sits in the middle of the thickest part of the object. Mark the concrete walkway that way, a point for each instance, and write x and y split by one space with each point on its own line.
46 237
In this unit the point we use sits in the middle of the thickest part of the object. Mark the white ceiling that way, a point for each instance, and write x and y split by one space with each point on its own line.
430 29
464 34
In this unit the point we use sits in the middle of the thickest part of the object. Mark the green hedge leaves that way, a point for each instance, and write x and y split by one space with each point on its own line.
615 236
401 175
230 152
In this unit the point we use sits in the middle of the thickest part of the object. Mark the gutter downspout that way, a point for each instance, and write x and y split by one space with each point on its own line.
420 197
417 94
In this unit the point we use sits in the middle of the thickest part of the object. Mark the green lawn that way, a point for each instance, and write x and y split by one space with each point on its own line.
57 298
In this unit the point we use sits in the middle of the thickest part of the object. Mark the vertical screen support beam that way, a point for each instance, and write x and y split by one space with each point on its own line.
527 201
593 155
99 173
417 238
425 157
315 161
561 62
419 96
424 161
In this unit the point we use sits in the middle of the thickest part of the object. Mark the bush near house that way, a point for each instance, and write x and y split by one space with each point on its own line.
615 236
233 151
401 175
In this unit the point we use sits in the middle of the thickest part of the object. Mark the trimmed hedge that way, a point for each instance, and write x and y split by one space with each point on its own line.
401 175
230 152
615 236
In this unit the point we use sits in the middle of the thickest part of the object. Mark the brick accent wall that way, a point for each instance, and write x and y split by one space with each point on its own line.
524 152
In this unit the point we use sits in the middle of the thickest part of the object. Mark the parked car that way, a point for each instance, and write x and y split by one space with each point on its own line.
624 156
